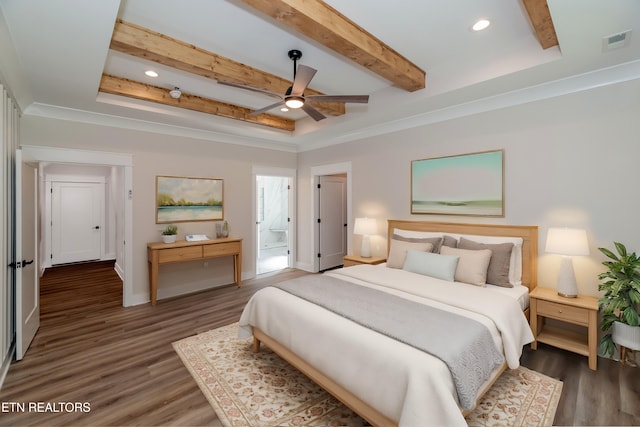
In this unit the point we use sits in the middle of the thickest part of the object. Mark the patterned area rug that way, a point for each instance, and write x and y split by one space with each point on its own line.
248 389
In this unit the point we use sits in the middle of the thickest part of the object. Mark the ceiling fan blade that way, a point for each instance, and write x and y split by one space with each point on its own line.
303 77
267 108
315 114
358 99
253 89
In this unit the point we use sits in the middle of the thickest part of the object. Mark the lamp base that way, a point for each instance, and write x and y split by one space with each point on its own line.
567 296
365 249
567 286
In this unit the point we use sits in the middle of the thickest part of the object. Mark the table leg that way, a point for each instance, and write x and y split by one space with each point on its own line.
593 339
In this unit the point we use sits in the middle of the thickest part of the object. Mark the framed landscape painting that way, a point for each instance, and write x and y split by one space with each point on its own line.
180 199
468 184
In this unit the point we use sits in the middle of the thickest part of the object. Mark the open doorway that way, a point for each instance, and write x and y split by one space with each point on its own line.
118 227
274 201
273 223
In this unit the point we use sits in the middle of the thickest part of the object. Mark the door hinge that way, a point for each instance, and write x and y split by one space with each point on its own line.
319 221
319 255
318 185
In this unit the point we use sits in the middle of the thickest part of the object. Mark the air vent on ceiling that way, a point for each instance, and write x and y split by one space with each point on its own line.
616 41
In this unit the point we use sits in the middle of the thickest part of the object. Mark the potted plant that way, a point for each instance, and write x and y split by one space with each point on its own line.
620 304
169 233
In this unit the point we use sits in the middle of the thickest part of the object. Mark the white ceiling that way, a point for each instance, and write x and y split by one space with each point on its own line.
62 50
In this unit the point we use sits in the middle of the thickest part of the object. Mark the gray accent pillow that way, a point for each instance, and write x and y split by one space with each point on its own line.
498 271
435 241
449 241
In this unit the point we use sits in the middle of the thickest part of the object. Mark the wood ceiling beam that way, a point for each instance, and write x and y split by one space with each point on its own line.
143 43
540 17
327 26
132 89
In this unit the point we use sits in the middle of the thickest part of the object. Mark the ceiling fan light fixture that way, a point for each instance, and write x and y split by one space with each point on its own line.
151 73
175 93
294 102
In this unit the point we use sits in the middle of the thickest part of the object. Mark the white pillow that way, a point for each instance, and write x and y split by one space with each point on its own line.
430 264
472 265
416 234
398 251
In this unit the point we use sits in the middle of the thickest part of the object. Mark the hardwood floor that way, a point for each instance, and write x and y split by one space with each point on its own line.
121 362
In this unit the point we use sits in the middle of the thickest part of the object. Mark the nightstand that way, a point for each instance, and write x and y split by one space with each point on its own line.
545 303
350 260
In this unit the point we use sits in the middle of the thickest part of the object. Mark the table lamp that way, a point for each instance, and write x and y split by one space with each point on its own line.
567 242
365 227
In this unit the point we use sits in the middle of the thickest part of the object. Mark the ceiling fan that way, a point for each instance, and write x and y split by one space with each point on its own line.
294 96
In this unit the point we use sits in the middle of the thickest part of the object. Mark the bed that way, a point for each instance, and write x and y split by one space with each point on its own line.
390 381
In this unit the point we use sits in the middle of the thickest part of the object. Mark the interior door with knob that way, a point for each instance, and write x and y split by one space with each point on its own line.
332 221
77 218
26 234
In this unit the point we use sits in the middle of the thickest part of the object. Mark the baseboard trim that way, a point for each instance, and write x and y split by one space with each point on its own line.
119 271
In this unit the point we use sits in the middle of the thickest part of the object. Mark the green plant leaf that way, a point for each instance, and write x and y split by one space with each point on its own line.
630 316
622 250
607 322
607 346
608 254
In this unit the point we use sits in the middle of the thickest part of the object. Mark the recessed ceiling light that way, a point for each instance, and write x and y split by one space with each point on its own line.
284 109
151 73
481 24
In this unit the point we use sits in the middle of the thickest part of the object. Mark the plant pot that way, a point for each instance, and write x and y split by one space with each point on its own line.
169 238
626 335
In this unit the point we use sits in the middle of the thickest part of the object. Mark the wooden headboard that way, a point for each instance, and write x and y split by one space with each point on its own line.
528 233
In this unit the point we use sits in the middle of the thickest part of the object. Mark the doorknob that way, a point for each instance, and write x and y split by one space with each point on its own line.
24 262
97 227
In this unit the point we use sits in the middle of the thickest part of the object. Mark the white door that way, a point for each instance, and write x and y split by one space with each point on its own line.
27 286
332 232
76 221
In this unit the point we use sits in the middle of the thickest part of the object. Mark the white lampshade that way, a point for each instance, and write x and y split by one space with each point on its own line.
365 227
567 242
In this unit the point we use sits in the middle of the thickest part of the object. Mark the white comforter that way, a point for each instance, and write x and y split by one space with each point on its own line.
405 384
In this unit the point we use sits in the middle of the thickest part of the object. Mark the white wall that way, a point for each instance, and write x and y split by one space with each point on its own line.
569 161
156 154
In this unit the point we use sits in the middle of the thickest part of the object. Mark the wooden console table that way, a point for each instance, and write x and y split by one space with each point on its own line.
183 251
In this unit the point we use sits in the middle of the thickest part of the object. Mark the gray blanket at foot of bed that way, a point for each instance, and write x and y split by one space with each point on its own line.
463 344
